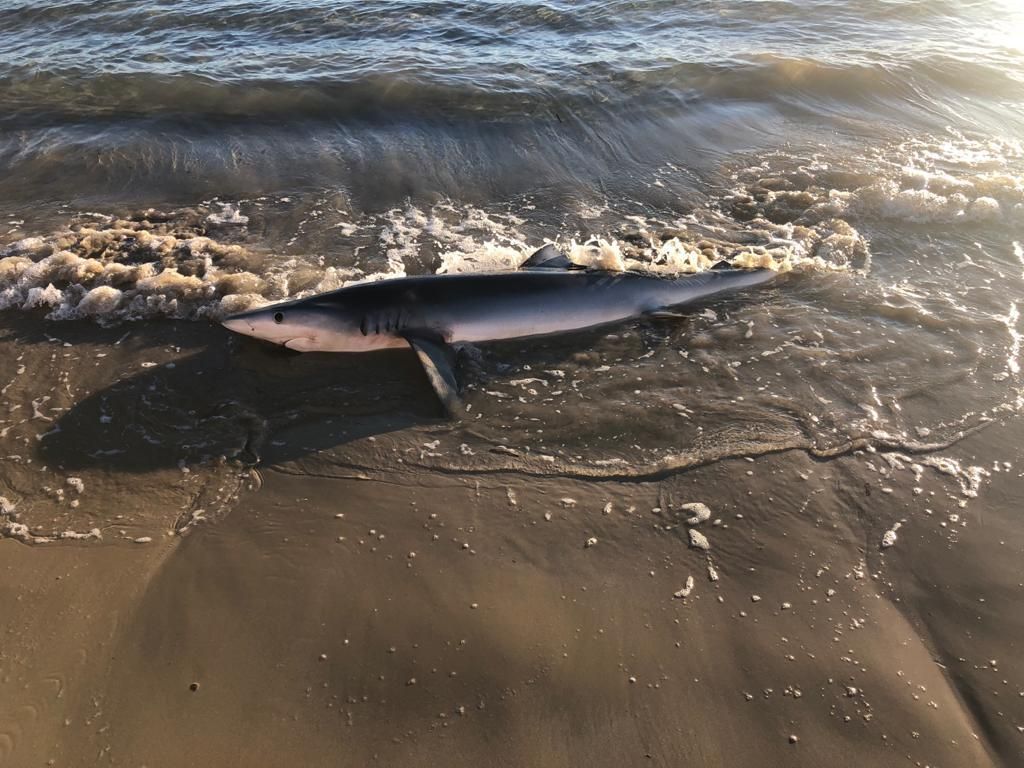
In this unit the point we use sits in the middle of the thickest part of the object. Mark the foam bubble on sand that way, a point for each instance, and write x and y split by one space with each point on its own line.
969 478
11 528
90 535
19 532
698 540
889 537
700 512
687 589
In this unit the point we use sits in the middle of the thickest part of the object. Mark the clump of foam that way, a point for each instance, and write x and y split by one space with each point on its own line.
43 297
240 283
708 238
172 283
888 200
598 253
487 257
830 247
26 247
101 300
236 302
229 214
470 239
12 528
676 256
12 267
130 269
925 182
399 237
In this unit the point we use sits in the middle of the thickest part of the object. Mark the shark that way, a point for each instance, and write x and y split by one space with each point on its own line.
548 294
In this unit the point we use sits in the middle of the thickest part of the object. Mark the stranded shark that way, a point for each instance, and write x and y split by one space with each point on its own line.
548 294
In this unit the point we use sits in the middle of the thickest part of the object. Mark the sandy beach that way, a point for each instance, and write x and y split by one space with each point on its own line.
342 617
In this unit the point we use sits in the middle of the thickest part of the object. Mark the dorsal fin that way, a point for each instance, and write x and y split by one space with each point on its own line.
723 264
548 257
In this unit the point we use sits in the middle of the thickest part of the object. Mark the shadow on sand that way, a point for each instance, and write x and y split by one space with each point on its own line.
227 398
243 399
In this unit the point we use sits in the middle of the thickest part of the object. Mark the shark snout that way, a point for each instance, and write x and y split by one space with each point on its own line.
239 325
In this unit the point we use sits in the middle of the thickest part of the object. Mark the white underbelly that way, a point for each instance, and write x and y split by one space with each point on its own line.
517 325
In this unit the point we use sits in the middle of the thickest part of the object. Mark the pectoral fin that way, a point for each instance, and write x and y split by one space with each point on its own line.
437 360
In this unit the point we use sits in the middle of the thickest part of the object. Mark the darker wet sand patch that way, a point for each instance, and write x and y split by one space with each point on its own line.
419 619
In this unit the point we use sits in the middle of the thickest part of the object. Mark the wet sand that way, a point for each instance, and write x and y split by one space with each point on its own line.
417 618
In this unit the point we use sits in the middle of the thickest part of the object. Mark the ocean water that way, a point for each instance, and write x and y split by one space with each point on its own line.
164 164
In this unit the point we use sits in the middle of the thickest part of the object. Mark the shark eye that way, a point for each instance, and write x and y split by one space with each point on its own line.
278 317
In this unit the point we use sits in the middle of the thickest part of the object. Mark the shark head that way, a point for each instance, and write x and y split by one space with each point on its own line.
303 326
